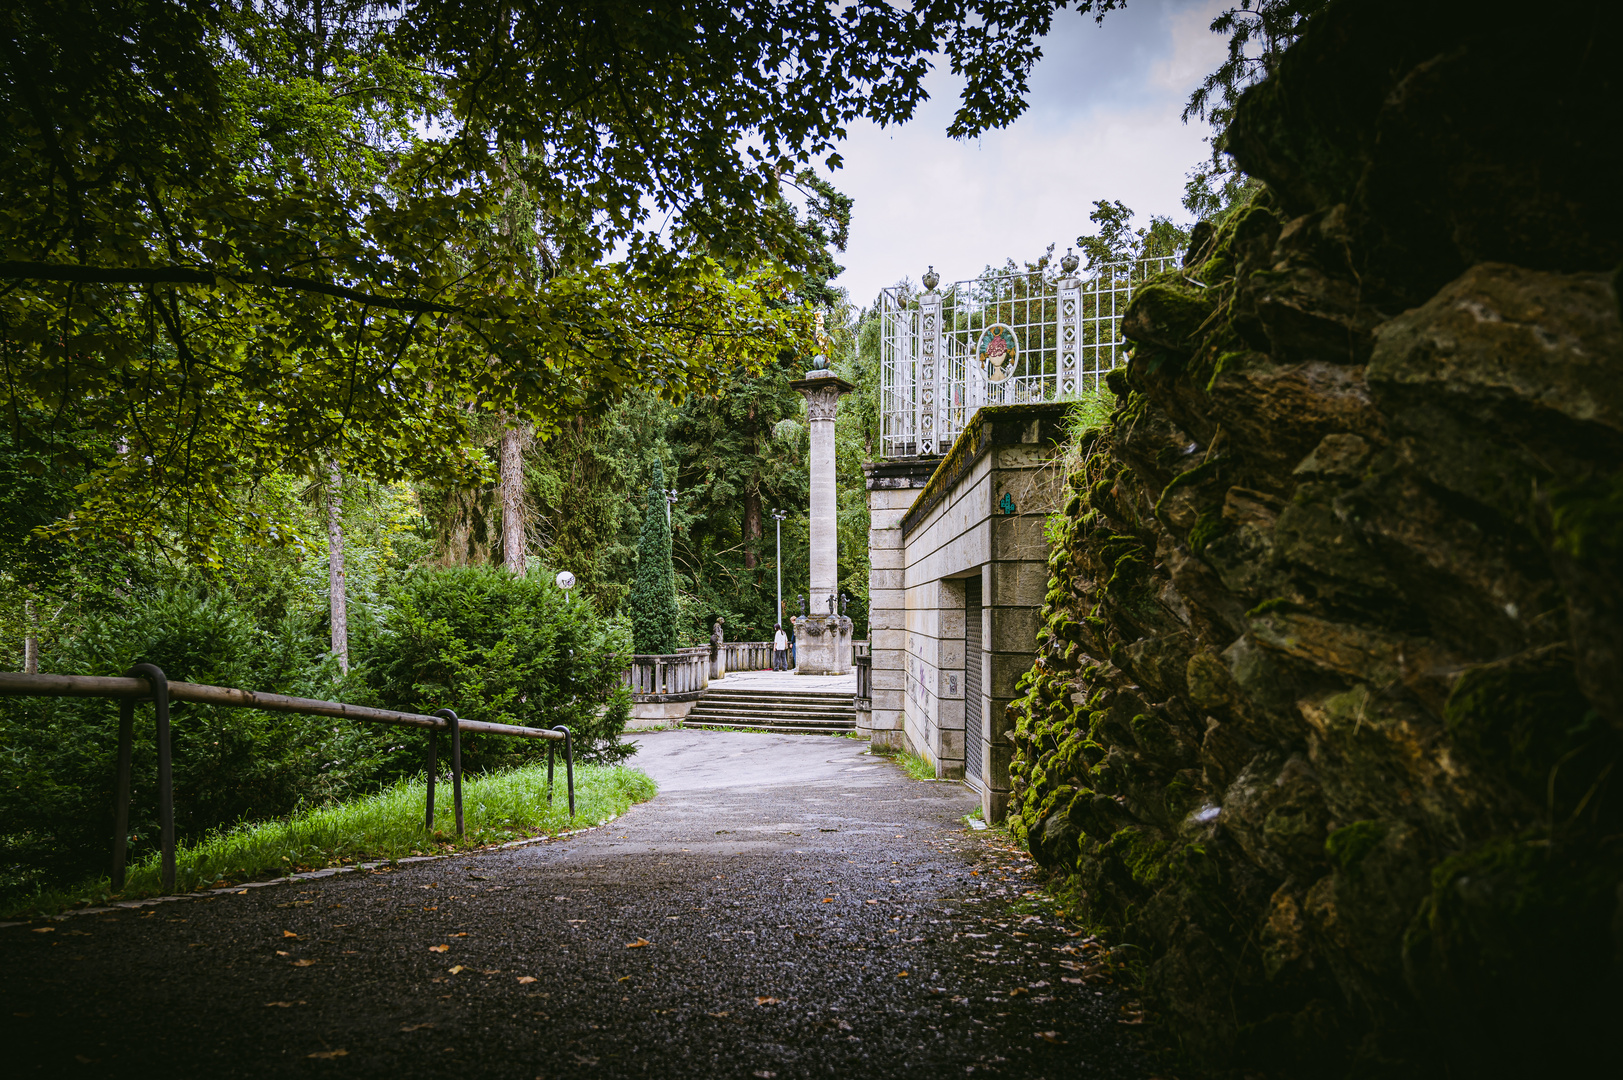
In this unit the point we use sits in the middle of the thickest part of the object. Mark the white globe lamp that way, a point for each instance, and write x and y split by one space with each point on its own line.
566 580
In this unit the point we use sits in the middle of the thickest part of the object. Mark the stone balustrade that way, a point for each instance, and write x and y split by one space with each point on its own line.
679 676
749 655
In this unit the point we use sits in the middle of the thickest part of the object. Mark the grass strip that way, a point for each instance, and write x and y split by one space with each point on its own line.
497 807
914 765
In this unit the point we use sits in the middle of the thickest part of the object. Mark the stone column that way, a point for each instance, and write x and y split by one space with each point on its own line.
823 635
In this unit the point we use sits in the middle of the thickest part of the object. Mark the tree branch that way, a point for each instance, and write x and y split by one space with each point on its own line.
181 275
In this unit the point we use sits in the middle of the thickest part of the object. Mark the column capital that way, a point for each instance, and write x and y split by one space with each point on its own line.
822 390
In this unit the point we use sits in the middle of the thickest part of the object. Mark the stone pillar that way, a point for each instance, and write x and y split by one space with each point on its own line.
823 635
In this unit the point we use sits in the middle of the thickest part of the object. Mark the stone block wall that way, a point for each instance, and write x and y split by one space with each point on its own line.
892 487
927 540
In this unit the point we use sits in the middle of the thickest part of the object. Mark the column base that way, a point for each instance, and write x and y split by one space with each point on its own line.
822 644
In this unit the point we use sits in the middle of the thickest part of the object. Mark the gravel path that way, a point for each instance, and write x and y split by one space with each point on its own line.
788 906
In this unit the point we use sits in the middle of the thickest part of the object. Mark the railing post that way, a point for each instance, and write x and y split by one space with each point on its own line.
569 765
166 781
433 771
121 794
450 719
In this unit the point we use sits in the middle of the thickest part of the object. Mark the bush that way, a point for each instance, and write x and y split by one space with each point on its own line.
505 649
229 764
491 646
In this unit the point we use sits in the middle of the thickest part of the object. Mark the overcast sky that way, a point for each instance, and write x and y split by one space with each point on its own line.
1103 124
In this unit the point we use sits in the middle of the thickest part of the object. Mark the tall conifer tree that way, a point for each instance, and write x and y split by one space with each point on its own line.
653 597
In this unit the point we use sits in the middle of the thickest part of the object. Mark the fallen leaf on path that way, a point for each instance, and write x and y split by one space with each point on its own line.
282 1004
1019 991
283 952
901 974
415 1027
828 899
718 1016
526 980
458 969
639 943
45 930
290 934
491 971
329 1054
767 1001
463 934
439 948
1068 979
1051 1036
623 978
303 963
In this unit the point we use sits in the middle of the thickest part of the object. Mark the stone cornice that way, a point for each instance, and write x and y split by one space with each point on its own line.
1039 423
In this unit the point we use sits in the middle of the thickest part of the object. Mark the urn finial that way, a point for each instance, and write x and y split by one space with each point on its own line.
931 279
1069 263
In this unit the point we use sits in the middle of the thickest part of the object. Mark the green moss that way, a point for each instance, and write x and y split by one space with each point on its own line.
1184 479
1527 718
1348 845
1586 520
1166 312
1142 853
1208 527
1274 603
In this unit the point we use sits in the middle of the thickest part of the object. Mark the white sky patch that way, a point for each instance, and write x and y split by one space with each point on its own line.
1103 124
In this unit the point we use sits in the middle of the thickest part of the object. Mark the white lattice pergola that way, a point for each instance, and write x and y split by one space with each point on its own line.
1001 338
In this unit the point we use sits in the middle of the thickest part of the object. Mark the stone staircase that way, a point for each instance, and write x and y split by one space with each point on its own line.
785 712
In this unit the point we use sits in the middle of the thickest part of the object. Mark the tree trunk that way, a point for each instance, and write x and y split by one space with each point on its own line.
335 567
752 500
31 638
512 493
752 527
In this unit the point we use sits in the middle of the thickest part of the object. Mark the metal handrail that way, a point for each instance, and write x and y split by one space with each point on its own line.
148 681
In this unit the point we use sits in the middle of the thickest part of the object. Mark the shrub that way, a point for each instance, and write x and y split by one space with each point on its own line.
505 649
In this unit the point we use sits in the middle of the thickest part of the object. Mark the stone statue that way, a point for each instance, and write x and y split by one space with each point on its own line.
718 655
833 605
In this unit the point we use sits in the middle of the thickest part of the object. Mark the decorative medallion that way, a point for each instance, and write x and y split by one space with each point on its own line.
997 352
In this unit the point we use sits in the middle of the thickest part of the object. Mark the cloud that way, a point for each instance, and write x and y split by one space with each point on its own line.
1103 124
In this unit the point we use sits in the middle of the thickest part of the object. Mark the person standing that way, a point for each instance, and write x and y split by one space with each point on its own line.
780 649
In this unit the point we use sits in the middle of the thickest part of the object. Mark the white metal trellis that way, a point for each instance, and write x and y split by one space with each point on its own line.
1001 338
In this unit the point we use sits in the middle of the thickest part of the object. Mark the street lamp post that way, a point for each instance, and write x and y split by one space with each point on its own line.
670 501
778 516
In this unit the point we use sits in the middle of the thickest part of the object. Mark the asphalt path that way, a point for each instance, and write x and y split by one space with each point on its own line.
788 906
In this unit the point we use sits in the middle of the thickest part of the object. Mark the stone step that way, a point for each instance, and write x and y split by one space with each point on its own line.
801 720
829 701
777 728
773 706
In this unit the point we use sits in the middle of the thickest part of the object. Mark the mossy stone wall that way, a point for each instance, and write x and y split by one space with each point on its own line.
1328 710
